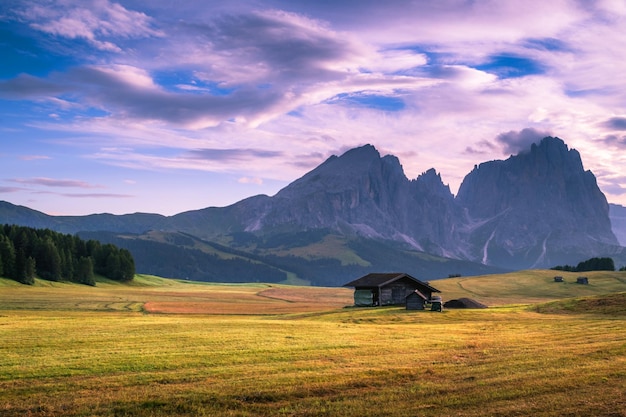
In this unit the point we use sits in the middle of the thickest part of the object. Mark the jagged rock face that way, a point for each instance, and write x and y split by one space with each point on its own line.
362 193
433 216
354 189
617 214
535 209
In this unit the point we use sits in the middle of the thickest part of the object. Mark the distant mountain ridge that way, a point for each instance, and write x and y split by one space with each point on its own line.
537 209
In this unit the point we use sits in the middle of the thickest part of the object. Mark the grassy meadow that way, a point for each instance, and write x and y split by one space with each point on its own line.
160 347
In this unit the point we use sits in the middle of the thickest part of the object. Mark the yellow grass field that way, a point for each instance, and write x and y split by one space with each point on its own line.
173 348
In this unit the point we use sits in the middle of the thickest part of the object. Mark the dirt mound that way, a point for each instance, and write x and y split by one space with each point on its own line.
463 303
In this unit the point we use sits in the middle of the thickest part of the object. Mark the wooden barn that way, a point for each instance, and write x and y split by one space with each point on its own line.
379 289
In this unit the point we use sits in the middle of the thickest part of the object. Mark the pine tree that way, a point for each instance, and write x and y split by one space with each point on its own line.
127 265
84 271
28 273
49 261
7 253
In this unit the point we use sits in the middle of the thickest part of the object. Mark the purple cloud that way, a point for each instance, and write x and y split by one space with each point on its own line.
98 195
615 140
26 86
616 123
515 142
10 189
93 23
223 155
50 182
34 157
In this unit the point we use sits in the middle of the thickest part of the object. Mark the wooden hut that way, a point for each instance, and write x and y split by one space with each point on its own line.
582 280
416 301
379 289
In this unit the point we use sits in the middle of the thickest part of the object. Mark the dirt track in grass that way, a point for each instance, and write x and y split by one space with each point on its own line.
270 301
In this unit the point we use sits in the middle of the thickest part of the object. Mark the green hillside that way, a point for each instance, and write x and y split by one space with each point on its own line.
317 257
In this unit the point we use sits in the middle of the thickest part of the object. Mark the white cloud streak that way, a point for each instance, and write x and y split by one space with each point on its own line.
93 21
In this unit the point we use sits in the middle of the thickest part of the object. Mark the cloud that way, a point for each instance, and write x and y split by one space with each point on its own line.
615 140
615 188
225 155
10 189
616 123
391 61
93 22
515 142
50 182
248 180
445 21
26 86
98 195
274 47
129 92
33 157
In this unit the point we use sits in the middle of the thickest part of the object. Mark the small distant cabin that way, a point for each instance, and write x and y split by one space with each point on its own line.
380 289
582 280
558 279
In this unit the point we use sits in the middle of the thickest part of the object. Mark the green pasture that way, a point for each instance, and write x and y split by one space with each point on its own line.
172 348
533 286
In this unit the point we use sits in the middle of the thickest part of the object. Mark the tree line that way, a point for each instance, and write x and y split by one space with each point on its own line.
26 253
592 264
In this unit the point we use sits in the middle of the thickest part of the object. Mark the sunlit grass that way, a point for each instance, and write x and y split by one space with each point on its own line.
530 286
97 352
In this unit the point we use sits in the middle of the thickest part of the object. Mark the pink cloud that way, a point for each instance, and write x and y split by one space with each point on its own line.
33 157
51 182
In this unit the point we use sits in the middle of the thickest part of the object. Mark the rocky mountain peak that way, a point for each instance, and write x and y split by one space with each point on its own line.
335 172
552 154
537 207
431 180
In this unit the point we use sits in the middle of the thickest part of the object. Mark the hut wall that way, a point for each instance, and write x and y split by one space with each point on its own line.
363 298
385 296
396 292
414 302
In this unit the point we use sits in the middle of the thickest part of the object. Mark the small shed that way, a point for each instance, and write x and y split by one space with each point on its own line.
379 289
582 280
416 301
558 279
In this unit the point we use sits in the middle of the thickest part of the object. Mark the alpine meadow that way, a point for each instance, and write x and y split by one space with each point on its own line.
157 347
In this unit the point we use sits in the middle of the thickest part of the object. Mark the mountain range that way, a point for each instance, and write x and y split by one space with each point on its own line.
358 212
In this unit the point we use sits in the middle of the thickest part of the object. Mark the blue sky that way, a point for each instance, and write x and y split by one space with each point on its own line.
164 107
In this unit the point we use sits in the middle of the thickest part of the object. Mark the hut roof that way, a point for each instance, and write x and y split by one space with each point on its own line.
382 279
419 294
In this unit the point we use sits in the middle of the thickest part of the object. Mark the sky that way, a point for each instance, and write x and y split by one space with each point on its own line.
167 106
